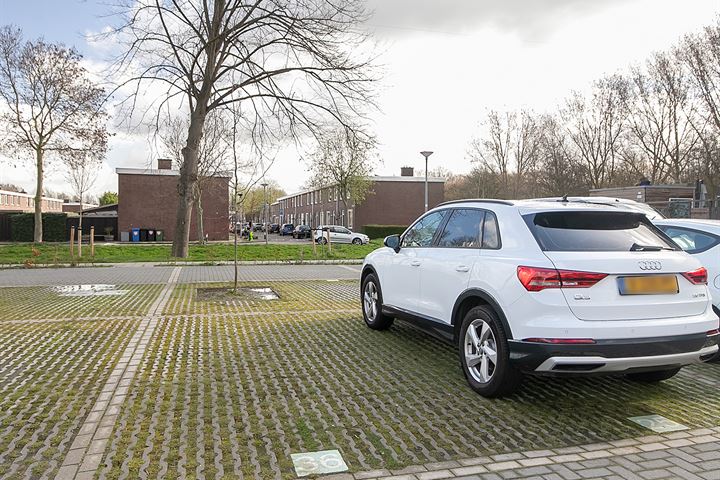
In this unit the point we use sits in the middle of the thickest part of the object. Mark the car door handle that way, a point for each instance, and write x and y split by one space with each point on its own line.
462 268
415 263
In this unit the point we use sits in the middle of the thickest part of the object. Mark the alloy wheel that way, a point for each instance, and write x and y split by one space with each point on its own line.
480 351
370 301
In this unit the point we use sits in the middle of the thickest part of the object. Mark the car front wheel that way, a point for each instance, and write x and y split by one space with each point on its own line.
372 304
357 241
484 354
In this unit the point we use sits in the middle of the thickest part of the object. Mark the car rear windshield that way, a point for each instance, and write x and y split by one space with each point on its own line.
596 232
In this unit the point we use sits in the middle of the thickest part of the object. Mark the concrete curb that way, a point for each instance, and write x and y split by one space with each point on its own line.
354 261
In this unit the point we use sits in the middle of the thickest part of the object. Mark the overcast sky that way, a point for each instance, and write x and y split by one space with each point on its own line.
446 63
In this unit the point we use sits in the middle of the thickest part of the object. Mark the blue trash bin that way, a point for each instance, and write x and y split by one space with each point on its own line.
135 237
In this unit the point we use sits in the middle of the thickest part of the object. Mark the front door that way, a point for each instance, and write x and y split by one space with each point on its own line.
401 280
446 268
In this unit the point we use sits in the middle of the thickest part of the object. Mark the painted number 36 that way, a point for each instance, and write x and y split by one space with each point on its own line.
323 462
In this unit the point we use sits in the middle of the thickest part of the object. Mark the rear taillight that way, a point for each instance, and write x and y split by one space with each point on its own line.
697 277
535 279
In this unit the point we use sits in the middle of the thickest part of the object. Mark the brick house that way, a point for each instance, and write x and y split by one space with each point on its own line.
14 202
392 200
149 200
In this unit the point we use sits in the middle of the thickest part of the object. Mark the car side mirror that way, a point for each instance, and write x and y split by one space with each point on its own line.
392 241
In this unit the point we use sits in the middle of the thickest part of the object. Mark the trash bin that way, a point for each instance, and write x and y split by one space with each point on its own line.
143 235
124 236
159 236
135 234
151 235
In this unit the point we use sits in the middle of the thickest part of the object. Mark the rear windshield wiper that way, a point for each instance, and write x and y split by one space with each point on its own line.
636 247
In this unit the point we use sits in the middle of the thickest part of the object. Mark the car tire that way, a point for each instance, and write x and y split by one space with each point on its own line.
490 378
371 299
654 376
323 240
357 241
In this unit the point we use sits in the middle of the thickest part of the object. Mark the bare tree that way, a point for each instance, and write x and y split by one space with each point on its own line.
660 107
81 172
595 126
51 106
344 161
509 148
291 63
214 154
559 170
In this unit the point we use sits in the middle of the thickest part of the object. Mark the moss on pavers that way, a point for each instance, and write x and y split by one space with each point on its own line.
50 375
26 303
300 296
236 395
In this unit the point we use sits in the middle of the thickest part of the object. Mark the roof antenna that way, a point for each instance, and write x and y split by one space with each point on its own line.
564 198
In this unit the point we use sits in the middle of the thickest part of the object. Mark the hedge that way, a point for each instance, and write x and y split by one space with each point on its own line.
382 231
22 227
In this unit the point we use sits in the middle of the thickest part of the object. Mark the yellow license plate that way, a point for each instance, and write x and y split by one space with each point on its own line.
648 285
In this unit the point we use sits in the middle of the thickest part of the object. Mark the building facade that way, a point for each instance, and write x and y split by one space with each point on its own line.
149 200
391 200
14 202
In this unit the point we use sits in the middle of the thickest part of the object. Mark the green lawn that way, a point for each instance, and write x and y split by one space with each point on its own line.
49 254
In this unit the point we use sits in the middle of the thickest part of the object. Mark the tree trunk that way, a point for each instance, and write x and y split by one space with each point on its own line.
200 225
38 235
186 185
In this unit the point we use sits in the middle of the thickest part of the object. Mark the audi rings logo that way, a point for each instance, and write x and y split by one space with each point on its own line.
650 265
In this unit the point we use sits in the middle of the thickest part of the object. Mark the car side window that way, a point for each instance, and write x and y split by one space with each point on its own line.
421 234
491 232
462 229
692 241
342 230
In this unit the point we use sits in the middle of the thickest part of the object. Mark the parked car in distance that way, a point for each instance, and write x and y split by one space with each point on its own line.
339 234
287 229
258 227
544 287
302 231
700 238
274 228
621 203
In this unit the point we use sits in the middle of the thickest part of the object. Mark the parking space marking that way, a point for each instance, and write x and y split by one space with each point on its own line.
86 451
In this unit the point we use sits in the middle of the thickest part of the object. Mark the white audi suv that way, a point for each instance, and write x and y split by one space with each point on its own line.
544 287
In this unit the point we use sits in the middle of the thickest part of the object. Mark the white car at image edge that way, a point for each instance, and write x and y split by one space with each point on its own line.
700 238
544 287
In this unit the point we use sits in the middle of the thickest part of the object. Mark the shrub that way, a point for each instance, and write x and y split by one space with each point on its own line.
23 227
382 231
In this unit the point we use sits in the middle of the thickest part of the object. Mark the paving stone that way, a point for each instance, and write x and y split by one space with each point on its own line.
434 475
372 474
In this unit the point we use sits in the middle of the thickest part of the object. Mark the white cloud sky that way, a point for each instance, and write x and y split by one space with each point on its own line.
449 61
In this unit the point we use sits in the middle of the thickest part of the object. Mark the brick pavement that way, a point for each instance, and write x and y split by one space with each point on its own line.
174 386
129 274
691 455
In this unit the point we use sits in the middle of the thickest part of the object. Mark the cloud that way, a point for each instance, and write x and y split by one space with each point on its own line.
533 19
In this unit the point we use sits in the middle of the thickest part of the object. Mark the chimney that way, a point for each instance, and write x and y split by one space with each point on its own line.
164 164
406 171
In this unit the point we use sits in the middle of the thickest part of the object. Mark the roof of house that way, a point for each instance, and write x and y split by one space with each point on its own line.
160 172
374 178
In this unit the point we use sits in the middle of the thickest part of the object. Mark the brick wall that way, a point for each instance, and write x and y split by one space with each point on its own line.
397 203
150 201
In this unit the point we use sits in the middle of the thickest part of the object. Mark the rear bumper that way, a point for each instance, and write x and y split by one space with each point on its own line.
613 356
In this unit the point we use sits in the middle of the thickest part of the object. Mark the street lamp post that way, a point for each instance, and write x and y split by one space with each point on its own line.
426 154
265 225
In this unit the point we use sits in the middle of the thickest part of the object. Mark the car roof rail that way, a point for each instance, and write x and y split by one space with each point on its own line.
479 200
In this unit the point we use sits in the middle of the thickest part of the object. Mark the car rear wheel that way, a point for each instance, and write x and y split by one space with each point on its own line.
372 304
323 240
654 376
484 354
